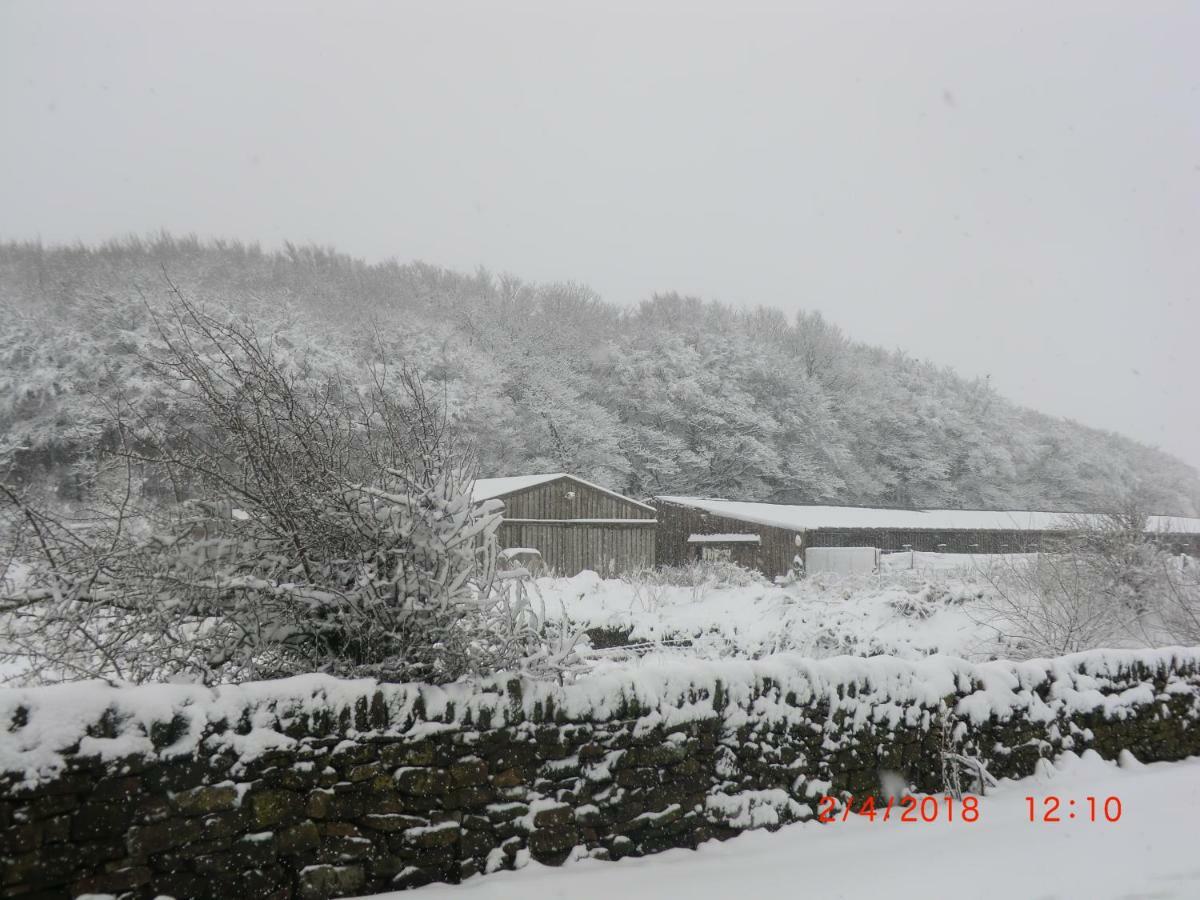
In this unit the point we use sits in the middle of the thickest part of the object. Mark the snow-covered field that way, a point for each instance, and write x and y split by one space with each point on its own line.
918 605
915 607
1150 852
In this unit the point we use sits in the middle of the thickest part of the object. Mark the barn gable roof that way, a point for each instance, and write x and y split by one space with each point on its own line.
799 518
489 488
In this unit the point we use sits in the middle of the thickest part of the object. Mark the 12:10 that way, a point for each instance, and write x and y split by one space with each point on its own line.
1108 809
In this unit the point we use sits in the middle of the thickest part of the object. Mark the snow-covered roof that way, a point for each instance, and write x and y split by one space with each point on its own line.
724 539
511 552
798 518
488 488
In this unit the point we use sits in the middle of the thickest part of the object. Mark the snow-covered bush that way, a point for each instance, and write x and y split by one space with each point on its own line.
1054 605
1178 606
704 573
1108 583
322 526
649 588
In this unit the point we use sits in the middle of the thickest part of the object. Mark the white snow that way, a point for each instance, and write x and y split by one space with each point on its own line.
949 564
488 488
907 614
511 552
802 518
645 522
671 690
1149 852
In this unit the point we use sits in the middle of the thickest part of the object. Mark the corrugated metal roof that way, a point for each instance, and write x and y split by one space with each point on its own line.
799 518
488 488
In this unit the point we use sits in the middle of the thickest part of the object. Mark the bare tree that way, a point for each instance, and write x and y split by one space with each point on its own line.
326 524
1050 604
1104 581
1180 604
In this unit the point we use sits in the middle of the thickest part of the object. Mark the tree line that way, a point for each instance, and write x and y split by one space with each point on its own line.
673 395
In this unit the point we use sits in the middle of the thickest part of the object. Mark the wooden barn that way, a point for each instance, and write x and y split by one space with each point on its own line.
574 524
768 536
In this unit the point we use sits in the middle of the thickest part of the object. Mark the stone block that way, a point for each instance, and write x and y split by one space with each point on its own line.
93 821
21 838
389 822
323 882
117 788
124 879
366 771
421 782
433 836
554 816
407 755
508 778
475 796
205 799
251 852
412 876
477 843
468 772
298 839
146 839
548 844
276 808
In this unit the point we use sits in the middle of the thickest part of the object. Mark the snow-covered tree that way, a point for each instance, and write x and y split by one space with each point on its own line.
328 526
673 395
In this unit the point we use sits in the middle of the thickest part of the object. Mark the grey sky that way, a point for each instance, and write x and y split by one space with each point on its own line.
1013 192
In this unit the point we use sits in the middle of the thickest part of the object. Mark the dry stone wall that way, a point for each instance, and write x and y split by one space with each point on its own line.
315 788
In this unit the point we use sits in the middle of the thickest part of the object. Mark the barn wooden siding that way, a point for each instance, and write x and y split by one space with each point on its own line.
593 530
931 539
549 501
676 523
778 545
1178 543
570 547
960 541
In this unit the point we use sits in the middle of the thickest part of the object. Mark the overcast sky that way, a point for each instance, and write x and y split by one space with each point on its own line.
1013 192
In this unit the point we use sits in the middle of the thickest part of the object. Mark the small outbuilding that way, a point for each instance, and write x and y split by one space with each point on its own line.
574 524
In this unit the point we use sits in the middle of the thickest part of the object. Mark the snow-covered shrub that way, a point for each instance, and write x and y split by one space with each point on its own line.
923 599
647 589
917 605
1107 583
708 573
1178 605
1052 606
323 526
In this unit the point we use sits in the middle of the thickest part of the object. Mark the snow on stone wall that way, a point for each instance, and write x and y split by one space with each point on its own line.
312 787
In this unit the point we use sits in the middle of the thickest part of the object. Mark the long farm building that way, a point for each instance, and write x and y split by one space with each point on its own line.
768 536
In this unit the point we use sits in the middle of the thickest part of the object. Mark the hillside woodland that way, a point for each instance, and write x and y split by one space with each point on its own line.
674 395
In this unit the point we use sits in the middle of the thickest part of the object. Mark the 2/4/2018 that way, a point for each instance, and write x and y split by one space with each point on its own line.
905 809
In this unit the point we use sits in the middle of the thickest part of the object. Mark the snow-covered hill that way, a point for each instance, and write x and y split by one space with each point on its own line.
676 395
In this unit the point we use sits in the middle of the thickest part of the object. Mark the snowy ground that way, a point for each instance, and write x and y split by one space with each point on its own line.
914 608
919 605
1150 852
